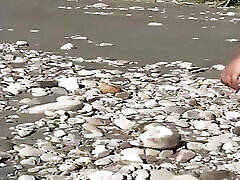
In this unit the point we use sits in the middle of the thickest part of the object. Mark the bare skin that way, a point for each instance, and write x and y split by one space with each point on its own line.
231 73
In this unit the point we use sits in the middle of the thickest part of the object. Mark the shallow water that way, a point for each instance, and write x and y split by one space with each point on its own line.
179 38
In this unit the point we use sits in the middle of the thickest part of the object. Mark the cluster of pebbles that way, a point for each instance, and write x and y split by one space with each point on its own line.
108 119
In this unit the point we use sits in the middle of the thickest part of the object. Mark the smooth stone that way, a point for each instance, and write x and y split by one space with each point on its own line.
161 174
103 161
30 161
129 111
26 177
218 175
184 177
68 167
195 146
59 133
46 157
100 151
185 155
67 46
14 88
140 174
199 114
38 92
107 88
123 123
30 151
25 129
151 103
232 115
100 175
201 124
21 43
159 137
70 84
132 154
67 106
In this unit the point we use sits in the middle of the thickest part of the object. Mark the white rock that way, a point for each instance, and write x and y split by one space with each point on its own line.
46 157
155 24
38 92
15 88
68 105
25 129
151 103
26 177
140 174
22 43
100 175
30 151
67 46
159 137
132 154
59 133
218 67
123 123
201 125
232 115
70 83
183 177
235 166
184 155
100 151
129 111
160 175
30 161
99 5
103 161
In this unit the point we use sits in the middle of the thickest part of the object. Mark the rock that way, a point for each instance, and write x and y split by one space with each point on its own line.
38 92
184 155
22 43
106 88
123 123
67 46
32 161
26 177
103 161
218 175
160 175
14 88
25 129
155 24
50 157
184 177
159 137
59 133
232 115
235 166
199 114
236 130
201 124
132 154
67 167
100 151
70 84
140 174
30 151
71 104
100 175
151 103
129 111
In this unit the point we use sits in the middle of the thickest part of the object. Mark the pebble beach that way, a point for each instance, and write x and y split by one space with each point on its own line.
122 121
69 116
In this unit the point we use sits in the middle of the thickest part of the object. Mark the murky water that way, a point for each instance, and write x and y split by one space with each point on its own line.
189 33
